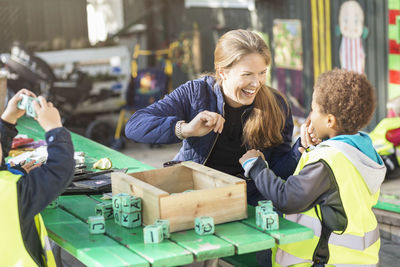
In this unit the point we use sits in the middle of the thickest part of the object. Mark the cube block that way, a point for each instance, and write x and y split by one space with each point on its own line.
105 210
131 220
131 204
96 224
165 226
153 234
204 225
270 221
267 204
27 104
260 210
117 201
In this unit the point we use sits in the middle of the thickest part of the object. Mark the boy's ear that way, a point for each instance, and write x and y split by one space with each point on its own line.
331 121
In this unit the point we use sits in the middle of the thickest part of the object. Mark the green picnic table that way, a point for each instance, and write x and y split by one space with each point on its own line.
119 246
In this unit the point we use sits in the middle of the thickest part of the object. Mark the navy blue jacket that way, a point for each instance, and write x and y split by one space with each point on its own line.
155 124
42 185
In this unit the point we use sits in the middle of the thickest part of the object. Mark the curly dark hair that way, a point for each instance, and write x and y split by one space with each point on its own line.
347 95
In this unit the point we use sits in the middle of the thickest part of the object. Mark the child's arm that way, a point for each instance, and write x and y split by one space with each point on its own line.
43 184
8 121
299 193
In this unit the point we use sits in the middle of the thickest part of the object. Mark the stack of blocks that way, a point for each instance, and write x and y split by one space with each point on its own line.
127 210
97 224
266 217
27 104
204 225
157 232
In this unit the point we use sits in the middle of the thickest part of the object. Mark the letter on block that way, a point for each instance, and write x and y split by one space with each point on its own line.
165 226
131 204
96 224
131 220
53 204
270 221
204 225
117 217
152 234
105 210
26 104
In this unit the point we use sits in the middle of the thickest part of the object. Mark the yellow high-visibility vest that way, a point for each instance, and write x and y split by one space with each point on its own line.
12 247
360 242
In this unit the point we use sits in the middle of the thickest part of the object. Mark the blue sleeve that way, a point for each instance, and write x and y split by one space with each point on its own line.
155 124
7 133
42 185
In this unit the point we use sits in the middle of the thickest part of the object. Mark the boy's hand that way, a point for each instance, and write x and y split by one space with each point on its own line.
47 115
307 136
251 154
12 112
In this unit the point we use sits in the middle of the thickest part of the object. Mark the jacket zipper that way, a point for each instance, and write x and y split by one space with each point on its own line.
215 140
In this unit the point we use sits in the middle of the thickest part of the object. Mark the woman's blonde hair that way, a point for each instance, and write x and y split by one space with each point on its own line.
266 122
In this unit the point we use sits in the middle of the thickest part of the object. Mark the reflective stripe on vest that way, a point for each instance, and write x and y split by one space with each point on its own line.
13 250
345 240
359 243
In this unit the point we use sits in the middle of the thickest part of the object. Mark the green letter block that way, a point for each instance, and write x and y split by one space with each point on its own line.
96 224
131 220
104 209
153 234
270 221
117 217
131 204
117 201
165 226
260 210
267 204
204 225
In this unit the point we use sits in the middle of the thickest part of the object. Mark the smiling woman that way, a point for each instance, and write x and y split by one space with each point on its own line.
221 116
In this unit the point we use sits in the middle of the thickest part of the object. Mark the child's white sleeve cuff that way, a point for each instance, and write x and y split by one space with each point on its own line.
247 165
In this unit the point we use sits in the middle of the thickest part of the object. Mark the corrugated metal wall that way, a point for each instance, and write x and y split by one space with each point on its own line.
214 22
43 24
375 47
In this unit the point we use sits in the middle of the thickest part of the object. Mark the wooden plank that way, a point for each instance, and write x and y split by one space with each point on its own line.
92 250
203 247
166 253
224 204
245 238
289 232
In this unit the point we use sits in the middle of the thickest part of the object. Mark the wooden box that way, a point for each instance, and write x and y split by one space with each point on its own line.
216 194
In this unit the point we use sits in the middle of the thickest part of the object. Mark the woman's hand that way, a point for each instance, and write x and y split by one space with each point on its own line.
202 124
251 154
12 112
308 136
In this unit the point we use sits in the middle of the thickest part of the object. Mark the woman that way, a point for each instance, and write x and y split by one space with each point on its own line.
221 116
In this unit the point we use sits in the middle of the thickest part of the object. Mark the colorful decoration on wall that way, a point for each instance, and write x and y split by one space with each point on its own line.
321 36
351 25
394 49
288 44
288 60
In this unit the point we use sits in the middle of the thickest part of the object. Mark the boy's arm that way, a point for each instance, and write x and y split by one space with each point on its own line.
42 185
7 133
299 193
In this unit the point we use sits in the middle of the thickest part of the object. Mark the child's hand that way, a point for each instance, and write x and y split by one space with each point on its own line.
251 154
308 136
47 115
12 113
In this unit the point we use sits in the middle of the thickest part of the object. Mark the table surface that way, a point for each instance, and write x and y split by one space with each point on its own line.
119 246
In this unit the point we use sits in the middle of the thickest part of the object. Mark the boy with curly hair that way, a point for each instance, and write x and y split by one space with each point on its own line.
335 185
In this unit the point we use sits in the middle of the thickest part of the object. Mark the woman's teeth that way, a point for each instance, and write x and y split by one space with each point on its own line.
249 91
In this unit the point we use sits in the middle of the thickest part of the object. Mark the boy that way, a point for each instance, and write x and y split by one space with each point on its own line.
335 185
22 197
